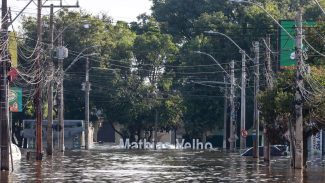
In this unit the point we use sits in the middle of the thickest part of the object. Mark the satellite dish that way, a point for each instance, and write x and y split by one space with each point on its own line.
292 55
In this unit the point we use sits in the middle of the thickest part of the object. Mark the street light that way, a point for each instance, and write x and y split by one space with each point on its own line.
209 82
80 55
243 88
320 6
85 25
260 6
61 107
207 54
86 88
231 77
231 40
266 145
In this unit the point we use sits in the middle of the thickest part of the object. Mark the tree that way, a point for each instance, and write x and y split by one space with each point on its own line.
277 105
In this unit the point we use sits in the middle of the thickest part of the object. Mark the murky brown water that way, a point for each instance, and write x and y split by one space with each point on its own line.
102 164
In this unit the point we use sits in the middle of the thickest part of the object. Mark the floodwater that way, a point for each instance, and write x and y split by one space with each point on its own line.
103 164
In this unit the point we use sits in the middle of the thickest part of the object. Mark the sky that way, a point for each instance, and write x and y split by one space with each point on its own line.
126 10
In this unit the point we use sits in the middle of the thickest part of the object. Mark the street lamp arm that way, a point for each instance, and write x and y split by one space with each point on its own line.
319 6
200 52
215 32
260 6
231 40
212 82
104 69
81 56
62 30
199 83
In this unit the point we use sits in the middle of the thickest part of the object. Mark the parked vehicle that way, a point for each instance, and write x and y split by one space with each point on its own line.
73 133
275 150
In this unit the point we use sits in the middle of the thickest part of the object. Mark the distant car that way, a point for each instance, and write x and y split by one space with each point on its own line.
275 150
284 148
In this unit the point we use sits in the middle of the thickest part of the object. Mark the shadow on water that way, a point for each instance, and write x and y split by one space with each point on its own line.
103 164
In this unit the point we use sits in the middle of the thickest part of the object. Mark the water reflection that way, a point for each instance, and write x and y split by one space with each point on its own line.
5 177
106 165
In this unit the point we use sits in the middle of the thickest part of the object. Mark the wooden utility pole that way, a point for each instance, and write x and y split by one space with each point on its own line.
232 138
269 85
243 100
38 94
256 111
225 116
4 104
298 96
49 133
87 89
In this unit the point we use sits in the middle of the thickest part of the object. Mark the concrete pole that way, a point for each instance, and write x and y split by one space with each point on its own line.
298 97
243 100
4 104
61 99
232 106
49 132
269 84
225 117
156 128
87 88
256 111
156 119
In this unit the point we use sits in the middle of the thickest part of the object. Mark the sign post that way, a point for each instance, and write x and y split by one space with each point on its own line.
244 133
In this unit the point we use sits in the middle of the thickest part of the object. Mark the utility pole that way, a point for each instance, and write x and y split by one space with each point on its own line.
61 56
4 104
49 136
256 111
269 85
298 97
232 106
38 94
156 128
61 99
156 117
87 88
225 116
269 78
243 100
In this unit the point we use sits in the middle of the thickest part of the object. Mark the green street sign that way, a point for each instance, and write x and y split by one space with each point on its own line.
287 44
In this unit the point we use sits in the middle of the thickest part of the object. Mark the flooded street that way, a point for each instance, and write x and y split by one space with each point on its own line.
103 164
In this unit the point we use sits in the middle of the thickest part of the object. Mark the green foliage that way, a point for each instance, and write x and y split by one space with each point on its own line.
277 103
152 50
